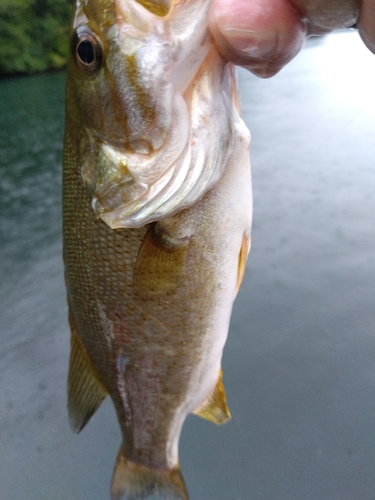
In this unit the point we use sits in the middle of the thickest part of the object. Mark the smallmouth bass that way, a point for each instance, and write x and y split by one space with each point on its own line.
157 214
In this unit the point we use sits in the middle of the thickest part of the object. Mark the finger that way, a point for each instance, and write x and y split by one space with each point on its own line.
366 23
261 35
326 16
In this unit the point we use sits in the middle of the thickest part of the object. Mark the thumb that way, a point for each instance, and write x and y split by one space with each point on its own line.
261 35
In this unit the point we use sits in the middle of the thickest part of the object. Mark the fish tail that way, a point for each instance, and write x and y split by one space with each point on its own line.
139 481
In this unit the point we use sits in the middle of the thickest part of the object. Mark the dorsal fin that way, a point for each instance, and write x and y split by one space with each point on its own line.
85 391
215 408
139 481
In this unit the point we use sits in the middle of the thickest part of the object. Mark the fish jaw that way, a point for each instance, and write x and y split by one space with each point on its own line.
156 118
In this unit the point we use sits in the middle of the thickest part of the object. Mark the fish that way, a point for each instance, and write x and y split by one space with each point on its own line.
157 209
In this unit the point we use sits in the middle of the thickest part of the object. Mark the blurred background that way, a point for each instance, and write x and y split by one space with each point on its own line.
299 364
33 35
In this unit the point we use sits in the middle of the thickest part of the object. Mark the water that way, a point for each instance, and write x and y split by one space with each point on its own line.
299 364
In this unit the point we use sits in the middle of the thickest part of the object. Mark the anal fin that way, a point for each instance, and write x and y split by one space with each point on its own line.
139 481
215 408
244 252
85 391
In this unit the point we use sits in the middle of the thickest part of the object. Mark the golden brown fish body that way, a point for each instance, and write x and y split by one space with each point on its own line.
151 272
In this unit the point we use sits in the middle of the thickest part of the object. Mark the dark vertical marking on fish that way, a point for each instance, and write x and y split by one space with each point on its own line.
143 99
119 115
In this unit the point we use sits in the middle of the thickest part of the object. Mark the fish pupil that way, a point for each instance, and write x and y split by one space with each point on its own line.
86 52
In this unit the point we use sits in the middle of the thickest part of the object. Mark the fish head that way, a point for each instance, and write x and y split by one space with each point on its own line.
120 88
150 103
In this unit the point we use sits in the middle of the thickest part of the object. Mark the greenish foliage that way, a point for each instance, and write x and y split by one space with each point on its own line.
34 35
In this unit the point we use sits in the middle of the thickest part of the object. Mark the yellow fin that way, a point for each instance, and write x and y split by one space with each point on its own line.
139 481
215 408
85 391
160 261
157 7
244 252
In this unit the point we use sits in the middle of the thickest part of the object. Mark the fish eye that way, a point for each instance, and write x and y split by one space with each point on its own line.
87 50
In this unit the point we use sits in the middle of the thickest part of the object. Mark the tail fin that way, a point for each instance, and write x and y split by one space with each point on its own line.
139 481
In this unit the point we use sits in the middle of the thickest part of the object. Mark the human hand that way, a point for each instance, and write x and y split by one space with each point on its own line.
264 35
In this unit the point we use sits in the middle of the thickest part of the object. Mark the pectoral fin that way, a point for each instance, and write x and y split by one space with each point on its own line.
215 408
160 262
85 391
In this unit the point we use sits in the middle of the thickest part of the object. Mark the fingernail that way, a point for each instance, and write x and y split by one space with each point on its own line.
253 43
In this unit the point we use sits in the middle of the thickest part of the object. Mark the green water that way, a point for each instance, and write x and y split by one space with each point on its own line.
31 132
